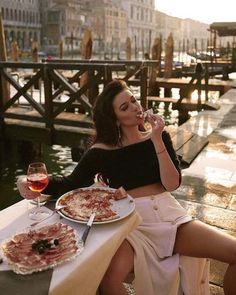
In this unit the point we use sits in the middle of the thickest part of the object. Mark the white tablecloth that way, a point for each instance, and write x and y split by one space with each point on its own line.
84 273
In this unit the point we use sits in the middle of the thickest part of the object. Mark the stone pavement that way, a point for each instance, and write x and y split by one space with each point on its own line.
208 189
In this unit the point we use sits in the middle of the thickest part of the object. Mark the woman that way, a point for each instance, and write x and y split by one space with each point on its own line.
164 251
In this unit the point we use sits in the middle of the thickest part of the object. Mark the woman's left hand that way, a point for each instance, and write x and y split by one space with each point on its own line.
157 124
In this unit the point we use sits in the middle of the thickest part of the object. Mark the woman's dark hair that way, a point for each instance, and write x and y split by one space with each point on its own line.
103 113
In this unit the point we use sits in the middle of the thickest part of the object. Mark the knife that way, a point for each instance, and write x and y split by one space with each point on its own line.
88 227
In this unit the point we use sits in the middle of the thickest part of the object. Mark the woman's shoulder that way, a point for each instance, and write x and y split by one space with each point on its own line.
103 146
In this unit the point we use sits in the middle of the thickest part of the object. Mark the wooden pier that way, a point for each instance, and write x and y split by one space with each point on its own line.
49 120
180 83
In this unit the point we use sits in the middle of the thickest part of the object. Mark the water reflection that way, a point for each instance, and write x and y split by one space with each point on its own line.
14 162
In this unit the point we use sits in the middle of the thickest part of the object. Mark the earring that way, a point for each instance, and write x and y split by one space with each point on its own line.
119 132
119 142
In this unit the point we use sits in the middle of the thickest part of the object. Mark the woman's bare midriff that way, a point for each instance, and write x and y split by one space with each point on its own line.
147 190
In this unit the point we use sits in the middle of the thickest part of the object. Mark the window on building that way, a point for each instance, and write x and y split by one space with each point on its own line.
2 10
15 15
137 14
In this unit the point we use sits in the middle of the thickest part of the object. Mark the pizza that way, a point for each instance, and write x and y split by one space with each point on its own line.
81 203
42 248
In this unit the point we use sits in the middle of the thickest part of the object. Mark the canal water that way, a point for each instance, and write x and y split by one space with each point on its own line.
14 158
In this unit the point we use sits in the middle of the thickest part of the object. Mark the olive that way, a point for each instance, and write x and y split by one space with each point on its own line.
41 249
48 245
56 242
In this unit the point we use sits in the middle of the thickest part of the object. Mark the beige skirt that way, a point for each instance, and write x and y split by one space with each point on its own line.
157 271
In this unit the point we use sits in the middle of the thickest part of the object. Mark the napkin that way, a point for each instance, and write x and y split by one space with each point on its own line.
36 283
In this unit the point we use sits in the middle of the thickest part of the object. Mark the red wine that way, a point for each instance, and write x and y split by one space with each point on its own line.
37 182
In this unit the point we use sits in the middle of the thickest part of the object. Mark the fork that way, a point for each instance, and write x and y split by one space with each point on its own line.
58 208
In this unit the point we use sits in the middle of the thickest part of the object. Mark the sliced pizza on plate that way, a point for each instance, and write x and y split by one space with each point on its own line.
108 204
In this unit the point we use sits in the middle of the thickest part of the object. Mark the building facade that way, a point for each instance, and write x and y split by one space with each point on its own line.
52 22
22 23
109 26
140 23
63 21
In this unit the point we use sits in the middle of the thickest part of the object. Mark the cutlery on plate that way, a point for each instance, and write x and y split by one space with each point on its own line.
58 208
88 227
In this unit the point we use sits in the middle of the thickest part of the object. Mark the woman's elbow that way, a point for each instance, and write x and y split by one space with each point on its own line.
173 185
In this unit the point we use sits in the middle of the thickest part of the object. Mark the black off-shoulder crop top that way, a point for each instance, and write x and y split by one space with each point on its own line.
130 166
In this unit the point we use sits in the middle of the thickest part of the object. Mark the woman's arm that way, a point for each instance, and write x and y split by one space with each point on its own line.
82 176
168 163
170 172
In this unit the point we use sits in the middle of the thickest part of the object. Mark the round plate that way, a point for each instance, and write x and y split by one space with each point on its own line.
21 246
123 207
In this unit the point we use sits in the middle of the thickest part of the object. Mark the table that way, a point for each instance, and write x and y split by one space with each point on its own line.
83 274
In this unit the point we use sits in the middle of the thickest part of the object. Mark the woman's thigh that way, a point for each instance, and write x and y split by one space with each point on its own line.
198 239
122 263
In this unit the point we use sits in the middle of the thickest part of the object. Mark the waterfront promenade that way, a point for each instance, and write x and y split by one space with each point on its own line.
208 189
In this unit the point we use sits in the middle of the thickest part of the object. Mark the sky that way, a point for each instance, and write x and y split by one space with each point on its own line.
207 11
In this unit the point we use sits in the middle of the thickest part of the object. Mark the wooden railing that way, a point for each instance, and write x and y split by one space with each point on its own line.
61 86
35 108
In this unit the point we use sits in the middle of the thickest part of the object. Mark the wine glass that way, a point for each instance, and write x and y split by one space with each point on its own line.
37 180
147 113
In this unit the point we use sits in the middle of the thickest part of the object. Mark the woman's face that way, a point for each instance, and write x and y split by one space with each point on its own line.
127 109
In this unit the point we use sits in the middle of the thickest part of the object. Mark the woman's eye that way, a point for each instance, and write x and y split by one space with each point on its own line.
124 108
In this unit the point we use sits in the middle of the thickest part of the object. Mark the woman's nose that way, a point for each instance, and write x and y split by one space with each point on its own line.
135 107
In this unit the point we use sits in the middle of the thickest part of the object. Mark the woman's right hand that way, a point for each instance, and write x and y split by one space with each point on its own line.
157 124
25 192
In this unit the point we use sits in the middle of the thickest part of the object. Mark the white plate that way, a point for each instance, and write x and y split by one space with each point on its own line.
123 207
23 265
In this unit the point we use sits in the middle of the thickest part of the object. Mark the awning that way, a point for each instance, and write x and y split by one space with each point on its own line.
224 28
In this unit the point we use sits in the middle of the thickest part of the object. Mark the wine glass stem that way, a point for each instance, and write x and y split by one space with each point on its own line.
38 201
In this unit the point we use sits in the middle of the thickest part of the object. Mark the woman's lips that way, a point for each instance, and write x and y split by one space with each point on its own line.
140 115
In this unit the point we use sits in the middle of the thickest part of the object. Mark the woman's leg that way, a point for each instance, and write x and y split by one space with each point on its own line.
198 239
121 265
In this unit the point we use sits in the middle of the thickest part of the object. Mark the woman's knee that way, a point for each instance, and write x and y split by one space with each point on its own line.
201 240
121 264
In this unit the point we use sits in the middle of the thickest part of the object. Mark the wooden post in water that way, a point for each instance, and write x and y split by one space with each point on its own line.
3 51
169 51
14 51
87 45
86 53
135 47
34 51
4 87
128 48
61 49
156 55
72 45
